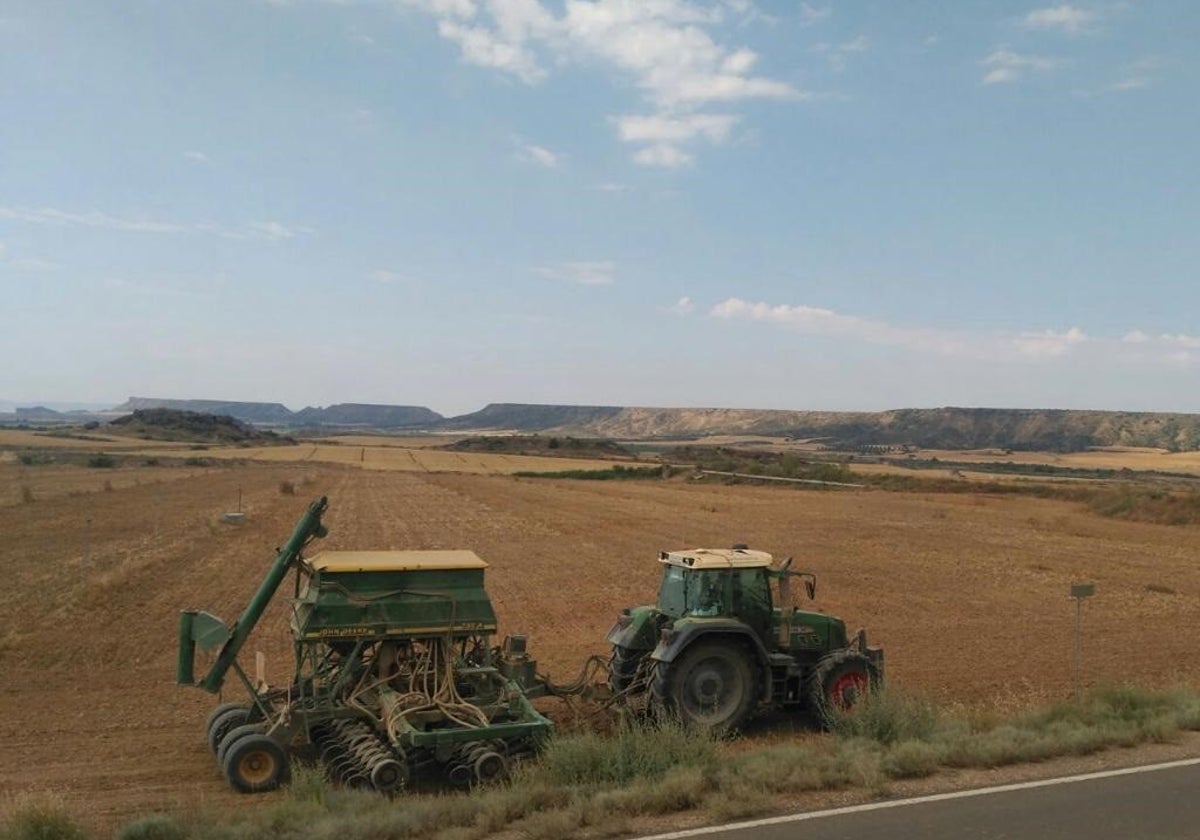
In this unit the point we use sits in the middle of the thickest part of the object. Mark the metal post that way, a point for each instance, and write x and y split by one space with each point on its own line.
1080 591
1079 649
87 552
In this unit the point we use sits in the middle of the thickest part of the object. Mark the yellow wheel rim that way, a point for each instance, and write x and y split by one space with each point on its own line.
256 767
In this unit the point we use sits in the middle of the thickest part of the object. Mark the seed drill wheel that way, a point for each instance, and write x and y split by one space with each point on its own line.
623 667
711 686
234 735
222 719
256 763
840 684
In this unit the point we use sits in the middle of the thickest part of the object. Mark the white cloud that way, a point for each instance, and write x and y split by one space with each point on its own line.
663 47
1137 75
484 47
664 155
817 321
664 129
1180 340
540 155
599 273
611 187
34 264
197 157
665 135
1135 337
813 320
1048 344
1063 18
681 307
1005 65
811 15
270 230
839 54
386 276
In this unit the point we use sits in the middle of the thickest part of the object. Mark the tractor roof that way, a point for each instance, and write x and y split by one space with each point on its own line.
716 558
394 561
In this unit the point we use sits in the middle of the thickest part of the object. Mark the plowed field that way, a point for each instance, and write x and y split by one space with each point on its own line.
968 593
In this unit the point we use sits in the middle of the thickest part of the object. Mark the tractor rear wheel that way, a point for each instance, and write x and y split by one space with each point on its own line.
711 686
255 763
623 667
840 684
225 717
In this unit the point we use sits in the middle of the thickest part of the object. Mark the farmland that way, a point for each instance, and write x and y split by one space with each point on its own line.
967 591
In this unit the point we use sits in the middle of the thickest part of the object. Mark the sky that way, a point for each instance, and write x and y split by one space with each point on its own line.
737 203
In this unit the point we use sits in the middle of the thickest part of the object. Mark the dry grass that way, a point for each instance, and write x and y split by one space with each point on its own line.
968 593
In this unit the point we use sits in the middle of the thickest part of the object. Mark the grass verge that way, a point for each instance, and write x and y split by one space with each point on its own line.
598 785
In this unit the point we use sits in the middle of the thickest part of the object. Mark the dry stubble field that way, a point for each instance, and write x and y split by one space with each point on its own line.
968 593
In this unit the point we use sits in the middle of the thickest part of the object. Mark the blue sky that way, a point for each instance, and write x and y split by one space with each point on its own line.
858 205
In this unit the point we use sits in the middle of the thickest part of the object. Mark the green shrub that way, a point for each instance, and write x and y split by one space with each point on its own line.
153 827
889 717
641 751
41 818
101 461
617 473
912 760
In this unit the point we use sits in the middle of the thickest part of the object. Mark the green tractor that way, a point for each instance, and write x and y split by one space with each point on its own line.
726 640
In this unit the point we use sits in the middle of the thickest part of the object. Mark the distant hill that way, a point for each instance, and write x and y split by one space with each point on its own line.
174 424
347 415
532 418
366 414
933 428
927 428
249 412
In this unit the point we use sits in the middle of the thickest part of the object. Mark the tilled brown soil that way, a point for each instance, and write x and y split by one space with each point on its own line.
967 593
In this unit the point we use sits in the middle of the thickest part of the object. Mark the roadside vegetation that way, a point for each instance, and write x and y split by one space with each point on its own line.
616 473
600 785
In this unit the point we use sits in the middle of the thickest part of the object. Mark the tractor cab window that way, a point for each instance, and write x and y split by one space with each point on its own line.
686 592
706 593
671 597
752 598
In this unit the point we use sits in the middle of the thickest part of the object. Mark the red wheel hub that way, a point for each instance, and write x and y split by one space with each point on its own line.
848 689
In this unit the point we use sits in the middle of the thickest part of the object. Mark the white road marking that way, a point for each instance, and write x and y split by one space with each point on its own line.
918 800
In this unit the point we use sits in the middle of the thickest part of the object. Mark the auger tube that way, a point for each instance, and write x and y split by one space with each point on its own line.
309 527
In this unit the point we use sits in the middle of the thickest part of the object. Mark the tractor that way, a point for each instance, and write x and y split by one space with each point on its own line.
725 640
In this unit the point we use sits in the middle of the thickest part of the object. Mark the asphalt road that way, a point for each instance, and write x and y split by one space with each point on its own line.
1156 803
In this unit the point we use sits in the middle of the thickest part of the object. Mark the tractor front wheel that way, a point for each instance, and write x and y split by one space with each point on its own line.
711 686
255 763
841 684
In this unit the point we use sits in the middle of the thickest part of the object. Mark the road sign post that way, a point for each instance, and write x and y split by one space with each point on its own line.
1080 592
